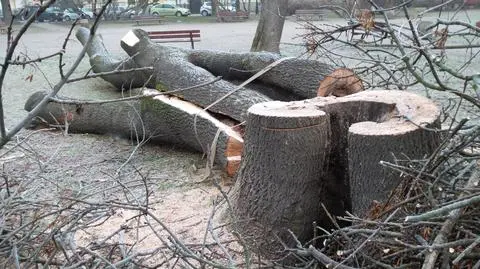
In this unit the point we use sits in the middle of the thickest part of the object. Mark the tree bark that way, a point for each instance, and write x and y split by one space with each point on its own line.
159 119
299 76
174 71
6 11
270 26
282 170
175 68
281 182
102 61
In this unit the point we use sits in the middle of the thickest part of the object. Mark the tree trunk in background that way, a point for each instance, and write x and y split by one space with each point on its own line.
7 11
214 8
363 4
270 26
142 5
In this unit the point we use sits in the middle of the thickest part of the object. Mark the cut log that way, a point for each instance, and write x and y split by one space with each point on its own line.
282 169
158 119
298 76
412 132
360 130
341 82
102 61
174 71
176 68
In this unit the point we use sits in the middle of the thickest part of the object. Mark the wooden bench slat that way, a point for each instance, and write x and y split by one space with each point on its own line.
232 15
311 13
174 40
173 36
172 32
191 36
140 19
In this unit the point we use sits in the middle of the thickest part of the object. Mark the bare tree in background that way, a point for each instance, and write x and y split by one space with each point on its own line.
6 9
270 26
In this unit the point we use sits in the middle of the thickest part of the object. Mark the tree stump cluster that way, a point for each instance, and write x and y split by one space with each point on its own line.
297 155
300 155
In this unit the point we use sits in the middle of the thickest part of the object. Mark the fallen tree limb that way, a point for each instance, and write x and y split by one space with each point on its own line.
293 79
449 224
158 119
173 70
298 76
101 61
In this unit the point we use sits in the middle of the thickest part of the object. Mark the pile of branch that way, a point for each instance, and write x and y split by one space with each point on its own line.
430 220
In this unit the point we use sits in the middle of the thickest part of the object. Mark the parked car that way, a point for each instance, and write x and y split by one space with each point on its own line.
88 12
206 9
472 2
169 10
50 14
70 14
430 3
119 12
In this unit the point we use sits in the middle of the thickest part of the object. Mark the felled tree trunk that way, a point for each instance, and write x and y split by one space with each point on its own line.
157 119
289 170
174 71
175 68
300 77
102 61
180 68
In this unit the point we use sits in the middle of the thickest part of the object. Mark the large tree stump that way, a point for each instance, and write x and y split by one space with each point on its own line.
281 182
285 165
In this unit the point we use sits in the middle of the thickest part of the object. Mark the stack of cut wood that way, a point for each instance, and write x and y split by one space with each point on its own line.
313 137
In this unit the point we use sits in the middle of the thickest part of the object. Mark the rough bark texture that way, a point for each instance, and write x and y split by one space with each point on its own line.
102 61
299 76
292 79
399 138
158 119
282 170
270 26
174 71
6 11
377 113
365 128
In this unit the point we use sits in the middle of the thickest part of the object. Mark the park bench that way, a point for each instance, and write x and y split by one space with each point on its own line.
3 27
191 36
231 16
310 14
142 20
